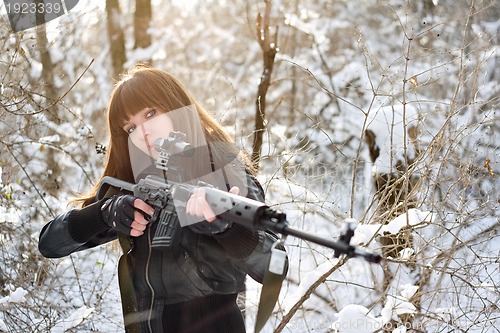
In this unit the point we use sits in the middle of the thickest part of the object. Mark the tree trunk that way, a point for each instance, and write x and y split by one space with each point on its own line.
142 21
269 46
116 37
391 192
51 97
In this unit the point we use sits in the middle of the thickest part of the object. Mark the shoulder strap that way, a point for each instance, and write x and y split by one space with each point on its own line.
127 292
271 285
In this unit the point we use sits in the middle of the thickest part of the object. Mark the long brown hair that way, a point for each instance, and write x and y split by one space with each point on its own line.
143 87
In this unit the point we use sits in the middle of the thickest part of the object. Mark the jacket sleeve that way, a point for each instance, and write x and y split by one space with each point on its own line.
73 231
251 247
256 263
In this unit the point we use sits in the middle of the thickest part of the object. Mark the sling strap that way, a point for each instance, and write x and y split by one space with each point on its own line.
128 297
129 302
271 285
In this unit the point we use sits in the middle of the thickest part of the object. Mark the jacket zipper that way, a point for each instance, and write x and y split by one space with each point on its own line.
148 281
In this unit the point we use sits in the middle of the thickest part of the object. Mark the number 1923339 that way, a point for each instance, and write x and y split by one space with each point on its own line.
34 8
25 14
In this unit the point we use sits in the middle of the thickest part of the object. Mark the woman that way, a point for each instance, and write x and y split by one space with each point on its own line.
191 286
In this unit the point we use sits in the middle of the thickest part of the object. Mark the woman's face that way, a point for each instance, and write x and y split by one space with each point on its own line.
145 127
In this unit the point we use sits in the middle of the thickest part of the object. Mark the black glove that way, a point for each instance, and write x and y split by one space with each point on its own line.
118 212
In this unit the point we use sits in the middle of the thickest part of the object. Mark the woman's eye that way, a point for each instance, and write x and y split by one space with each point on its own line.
150 113
130 129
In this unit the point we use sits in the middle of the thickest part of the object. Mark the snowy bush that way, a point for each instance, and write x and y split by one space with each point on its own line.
382 112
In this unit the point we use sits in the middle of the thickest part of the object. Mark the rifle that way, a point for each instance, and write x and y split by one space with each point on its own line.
159 193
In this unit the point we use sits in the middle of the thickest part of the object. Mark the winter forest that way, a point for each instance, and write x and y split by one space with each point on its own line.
385 113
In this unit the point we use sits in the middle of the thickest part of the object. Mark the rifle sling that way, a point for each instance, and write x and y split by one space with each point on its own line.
129 302
127 293
271 286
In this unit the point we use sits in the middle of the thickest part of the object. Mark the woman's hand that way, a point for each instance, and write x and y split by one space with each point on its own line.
197 204
125 213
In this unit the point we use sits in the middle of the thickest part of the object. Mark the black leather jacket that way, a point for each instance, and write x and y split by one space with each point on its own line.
201 265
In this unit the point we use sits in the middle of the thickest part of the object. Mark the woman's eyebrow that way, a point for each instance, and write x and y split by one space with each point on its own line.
126 122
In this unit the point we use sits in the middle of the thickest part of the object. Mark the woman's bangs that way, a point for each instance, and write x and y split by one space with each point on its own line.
128 100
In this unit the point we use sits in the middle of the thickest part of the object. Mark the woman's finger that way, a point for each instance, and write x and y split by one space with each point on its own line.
138 226
136 233
234 190
141 205
139 218
200 207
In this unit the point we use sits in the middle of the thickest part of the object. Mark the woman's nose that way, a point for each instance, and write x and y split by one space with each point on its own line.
141 133
145 130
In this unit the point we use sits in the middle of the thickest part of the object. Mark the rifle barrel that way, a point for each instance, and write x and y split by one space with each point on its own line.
337 246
